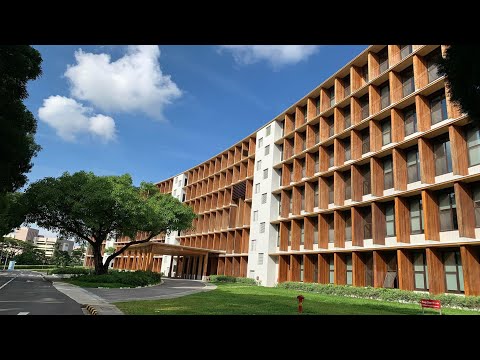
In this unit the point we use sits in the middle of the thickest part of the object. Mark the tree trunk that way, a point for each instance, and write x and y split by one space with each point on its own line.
100 268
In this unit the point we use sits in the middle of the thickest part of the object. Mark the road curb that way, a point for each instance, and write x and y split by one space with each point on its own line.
91 310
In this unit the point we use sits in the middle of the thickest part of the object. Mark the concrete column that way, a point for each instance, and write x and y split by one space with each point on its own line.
205 264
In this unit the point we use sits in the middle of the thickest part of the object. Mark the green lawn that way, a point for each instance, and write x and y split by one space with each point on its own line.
236 299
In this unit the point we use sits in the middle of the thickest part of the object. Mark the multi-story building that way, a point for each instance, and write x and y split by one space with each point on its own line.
23 233
48 244
371 179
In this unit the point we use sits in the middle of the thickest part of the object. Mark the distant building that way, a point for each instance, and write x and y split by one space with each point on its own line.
48 244
24 234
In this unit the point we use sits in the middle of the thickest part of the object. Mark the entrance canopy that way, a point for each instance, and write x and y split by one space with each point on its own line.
158 248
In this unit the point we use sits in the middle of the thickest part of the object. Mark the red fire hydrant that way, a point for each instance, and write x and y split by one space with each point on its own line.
300 303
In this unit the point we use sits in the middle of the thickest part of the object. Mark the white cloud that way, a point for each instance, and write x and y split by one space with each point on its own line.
134 82
276 55
70 118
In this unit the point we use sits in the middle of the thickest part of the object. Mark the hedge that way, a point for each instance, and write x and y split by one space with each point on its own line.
70 270
392 295
133 279
231 279
21 267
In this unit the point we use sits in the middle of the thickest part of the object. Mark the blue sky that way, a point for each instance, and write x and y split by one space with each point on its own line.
154 111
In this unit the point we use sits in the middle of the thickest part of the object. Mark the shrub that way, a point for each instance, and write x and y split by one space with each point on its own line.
393 295
70 270
231 279
132 279
22 267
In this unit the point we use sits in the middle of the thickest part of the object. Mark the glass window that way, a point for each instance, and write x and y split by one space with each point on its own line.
317 105
268 130
302 234
410 118
473 143
348 261
364 106
253 245
332 95
453 271
390 220
331 128
330 189
408 84
315 231
304 169
416 216
347 117
262 227
257 188
448 211
259 164
348 225
443 156
405 50
346 85
365 73
385 96
260 142
432 64
260 258
365 141
367 223
317 163
305 113
289 235
476 202
383 60
315 199
265 173
420 270
346 144
348 184
330 156
388 173
438 107
264 198
255 215
386 131
302 197
366 179
413 165
331 233
331 270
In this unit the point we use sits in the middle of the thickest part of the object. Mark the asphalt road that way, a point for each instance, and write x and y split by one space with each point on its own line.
27 293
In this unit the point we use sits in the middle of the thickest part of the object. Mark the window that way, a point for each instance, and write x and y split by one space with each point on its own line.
408 84
348 225
347 117
386 131
383 60
432 65
385 95
267 150
367 223
453 271
315 198
330 189
264 198
305 113
346 85
268 130
330 125
304 169
260 142
301 267
330 156
364 106
184 197
302 234
302 197
317 164
315 231
185 182
277 229
405 50
331 232
365 141
317 105
413 165
259 164
390 220
280 148
438 107
476 203
332 96
331 270
251 275
387 173
443 156
420 270
410 118
348 261
304 142
260 258
262 227
265 174
448 211
416 216
346 144
366 179
348 185
365 73
257 188
255 215
317 135
253 245
473 143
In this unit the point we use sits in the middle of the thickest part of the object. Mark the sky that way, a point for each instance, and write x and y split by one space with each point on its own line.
154 111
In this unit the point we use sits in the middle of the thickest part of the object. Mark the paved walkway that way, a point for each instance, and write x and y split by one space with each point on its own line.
171 288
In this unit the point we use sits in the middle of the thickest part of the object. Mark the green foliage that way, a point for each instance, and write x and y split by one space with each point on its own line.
71 270
231 279
33 267
394 295
109 250
77 257
461 67
94 208
10 248
18 65
12 211
31 255
61 258
125 279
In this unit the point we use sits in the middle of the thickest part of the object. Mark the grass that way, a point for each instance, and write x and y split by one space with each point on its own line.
237 299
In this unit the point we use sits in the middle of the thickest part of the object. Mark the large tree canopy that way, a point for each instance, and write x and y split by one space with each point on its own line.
18 65
461 65
96 208
12 211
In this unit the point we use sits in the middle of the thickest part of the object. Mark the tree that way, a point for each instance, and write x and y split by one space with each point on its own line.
77 257
30 255
18 65
61 258
10 248
461 67
12 211
94 209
